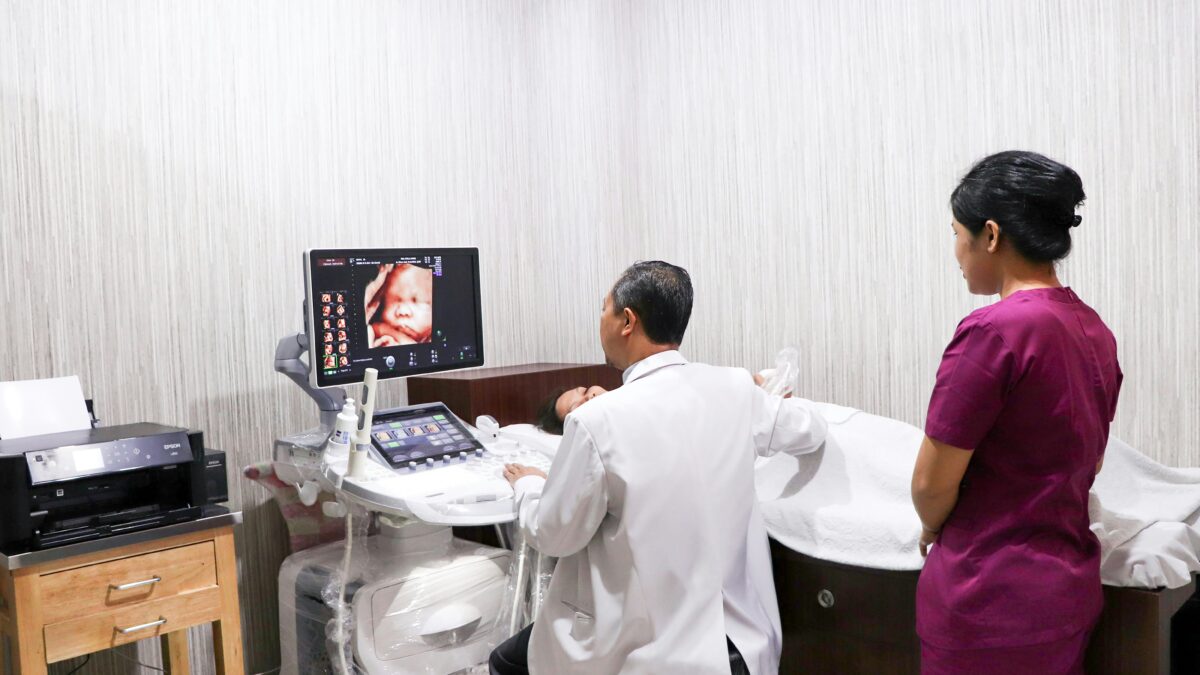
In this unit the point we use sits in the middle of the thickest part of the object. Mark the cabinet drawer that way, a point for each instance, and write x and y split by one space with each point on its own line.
147 619
867 604
127 582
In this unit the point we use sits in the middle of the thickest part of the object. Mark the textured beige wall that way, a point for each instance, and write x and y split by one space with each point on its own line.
162 165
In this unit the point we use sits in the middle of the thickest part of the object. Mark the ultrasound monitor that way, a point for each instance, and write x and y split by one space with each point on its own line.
401 311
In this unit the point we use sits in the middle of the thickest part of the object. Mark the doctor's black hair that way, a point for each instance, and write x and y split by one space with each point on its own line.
1031 197
660 294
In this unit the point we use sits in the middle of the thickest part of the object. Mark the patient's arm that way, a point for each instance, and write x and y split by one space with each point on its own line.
792 425
936 478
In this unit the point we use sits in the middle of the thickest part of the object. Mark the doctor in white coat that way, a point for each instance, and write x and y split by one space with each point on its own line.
650 506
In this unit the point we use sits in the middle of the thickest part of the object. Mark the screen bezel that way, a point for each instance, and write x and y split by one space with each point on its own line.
320 381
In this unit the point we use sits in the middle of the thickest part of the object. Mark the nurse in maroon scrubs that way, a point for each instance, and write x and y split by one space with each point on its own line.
1017 426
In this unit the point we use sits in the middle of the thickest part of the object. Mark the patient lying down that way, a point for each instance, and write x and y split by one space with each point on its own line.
562 402
850 503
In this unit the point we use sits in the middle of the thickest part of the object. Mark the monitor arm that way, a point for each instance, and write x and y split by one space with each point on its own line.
287 361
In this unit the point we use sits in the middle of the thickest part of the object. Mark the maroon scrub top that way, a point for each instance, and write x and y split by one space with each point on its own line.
1030 384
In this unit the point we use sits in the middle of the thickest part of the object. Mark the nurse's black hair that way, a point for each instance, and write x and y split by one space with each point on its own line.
547 418
660 294
1031 197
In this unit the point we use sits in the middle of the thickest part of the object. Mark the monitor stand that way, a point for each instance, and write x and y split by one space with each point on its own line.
298 456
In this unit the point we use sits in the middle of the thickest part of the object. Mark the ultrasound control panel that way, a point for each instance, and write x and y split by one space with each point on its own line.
422 436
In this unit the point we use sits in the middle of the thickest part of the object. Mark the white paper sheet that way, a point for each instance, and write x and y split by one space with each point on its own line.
32 407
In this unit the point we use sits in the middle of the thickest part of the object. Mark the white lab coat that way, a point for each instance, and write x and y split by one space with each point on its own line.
650 507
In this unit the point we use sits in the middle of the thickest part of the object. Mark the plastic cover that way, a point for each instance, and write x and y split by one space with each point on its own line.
528 582
782 379
417 601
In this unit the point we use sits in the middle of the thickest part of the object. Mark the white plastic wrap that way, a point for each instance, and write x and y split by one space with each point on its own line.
356 557
419 601
782 379
528 581
514 610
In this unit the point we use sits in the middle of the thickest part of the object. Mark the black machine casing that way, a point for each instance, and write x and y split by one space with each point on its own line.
216 482
74 486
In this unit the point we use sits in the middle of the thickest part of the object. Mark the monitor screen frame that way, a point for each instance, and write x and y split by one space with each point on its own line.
319 381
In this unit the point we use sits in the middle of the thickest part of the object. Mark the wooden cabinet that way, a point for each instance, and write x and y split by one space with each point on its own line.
841 619
152 618
511 394
844 619
75 605
128 582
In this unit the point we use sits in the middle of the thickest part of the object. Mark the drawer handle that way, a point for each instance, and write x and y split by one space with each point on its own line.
825 598
137 584
134 629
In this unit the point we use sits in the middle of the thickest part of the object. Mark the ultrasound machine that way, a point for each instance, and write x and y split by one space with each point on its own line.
422 601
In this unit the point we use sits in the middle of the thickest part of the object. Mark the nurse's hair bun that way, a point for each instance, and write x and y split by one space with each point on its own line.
1030 196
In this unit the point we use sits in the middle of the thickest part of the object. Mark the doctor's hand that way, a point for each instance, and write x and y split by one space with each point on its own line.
515 472
759 380
928 538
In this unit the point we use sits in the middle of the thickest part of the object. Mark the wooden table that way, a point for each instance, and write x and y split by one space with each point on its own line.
61 603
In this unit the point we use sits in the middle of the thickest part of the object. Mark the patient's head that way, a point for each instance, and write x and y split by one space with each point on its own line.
562 402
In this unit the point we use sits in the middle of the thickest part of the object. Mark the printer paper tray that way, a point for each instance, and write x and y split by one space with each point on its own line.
77 534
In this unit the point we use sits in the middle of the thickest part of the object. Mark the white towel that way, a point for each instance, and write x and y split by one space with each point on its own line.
1146 517
850 501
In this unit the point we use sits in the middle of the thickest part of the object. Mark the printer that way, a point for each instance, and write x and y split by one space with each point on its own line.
73 486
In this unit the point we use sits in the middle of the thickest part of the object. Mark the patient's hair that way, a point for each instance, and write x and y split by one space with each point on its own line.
547 418
1031 197
660 294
